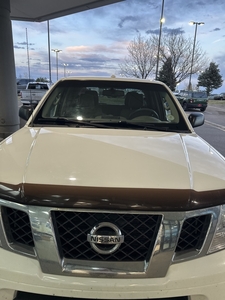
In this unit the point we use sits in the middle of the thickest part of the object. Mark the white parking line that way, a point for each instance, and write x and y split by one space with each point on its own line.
215 125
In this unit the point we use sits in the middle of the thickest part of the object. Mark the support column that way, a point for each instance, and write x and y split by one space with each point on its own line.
9 119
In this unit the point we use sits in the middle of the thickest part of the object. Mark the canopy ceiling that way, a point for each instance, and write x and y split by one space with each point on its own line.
42 10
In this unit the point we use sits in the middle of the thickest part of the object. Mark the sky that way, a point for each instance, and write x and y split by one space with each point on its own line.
94 42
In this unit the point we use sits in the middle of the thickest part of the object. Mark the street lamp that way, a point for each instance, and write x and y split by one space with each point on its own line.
193 52
65 65
162 20
49 54
56 52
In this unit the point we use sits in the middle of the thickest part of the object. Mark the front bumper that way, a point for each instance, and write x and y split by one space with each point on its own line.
200 279
29 102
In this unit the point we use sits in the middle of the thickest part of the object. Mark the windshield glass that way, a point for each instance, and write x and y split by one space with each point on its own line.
199 95
111 101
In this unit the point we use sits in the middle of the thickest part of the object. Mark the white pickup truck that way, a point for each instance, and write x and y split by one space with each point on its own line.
34 92
108 193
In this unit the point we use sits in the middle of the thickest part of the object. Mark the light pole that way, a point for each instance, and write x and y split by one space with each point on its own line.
49 54
162 20
56 52
65 65
193 52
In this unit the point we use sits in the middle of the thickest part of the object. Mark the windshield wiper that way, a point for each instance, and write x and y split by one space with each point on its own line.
103 124
132 125
68 122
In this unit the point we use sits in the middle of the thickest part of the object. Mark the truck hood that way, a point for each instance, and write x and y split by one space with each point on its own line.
102 167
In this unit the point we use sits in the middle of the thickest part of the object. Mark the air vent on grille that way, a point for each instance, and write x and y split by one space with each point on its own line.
17 226
139 230
193 233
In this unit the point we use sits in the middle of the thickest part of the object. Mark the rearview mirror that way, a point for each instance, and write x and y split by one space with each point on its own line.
196 119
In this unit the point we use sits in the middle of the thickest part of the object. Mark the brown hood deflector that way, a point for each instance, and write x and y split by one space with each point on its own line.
140 199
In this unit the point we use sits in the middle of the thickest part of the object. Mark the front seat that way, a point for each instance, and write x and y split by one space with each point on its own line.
87 106
133 101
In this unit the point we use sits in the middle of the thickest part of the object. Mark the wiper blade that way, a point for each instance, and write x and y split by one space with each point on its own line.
68 122
132 125
152 126
102 124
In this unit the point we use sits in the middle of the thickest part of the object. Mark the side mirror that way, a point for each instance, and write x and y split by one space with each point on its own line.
196 119
25 112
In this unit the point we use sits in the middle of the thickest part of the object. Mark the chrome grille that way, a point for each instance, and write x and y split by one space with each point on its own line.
71 229
152 241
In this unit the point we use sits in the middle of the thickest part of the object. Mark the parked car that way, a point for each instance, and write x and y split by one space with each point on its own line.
212 97
179 97
34 92
107 187
22 83
194 99
221 96
217 97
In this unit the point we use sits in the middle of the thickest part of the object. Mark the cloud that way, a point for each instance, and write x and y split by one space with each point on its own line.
28 28
219 40
87 49
94 58
166 30
115 48
25 43
78 49
17 47
93 41
126 19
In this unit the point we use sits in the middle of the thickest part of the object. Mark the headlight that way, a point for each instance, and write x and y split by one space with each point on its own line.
218 241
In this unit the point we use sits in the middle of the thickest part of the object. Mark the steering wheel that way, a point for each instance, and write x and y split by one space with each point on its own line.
143 112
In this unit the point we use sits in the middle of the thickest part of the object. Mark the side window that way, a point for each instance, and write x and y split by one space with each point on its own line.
170 110
55 101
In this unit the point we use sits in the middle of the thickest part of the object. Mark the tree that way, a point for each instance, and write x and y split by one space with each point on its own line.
42 79
141 59
167 75
180 49
210 78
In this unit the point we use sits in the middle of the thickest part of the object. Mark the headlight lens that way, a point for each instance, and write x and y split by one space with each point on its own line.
218 241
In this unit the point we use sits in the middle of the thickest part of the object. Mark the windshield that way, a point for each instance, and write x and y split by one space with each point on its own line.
111 101
37 86
199 95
